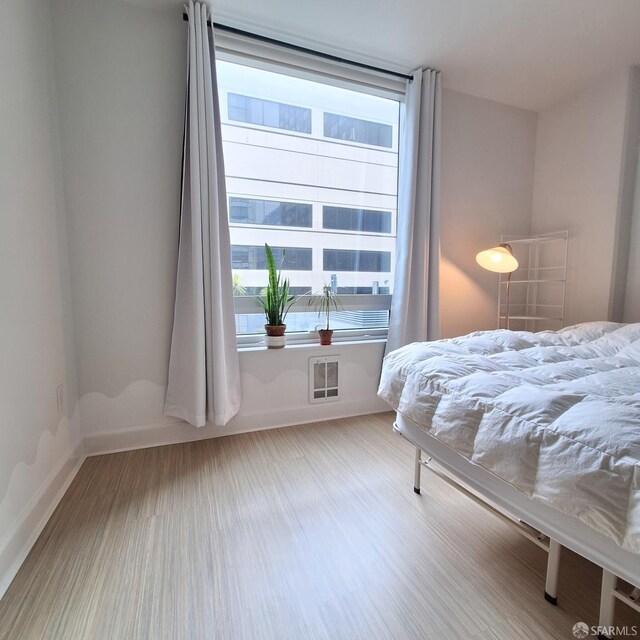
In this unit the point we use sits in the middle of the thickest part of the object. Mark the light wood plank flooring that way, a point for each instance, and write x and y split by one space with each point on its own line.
304 532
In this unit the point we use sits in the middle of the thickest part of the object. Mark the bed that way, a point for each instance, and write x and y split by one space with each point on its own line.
545 426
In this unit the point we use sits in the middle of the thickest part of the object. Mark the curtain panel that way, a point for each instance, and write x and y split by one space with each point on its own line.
204 370
415 312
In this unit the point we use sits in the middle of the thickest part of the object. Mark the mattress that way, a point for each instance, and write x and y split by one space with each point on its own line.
555 414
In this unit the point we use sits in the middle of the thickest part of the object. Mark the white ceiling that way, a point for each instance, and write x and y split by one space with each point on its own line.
527 53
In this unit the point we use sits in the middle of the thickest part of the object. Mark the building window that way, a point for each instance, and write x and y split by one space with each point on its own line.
294 291
363 290
287 258
268 212
357 130
348 219
268 113
354 260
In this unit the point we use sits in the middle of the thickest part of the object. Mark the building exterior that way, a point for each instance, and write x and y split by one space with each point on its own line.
312 170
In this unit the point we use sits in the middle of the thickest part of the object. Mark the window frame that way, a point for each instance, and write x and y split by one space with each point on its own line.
239 50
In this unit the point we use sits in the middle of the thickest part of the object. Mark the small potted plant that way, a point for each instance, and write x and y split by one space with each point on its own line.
323 303
275 303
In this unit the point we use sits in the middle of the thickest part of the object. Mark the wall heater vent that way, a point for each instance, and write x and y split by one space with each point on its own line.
324 380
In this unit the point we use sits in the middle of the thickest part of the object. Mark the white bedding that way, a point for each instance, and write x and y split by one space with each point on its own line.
555 414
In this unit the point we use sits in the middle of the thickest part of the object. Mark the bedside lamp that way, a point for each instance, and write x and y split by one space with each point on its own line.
499 259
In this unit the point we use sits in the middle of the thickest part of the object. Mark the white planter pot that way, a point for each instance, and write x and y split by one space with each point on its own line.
275 342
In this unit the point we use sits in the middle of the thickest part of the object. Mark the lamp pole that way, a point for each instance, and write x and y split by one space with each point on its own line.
506 314
500 259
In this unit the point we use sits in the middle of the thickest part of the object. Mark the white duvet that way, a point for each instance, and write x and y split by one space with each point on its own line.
556 414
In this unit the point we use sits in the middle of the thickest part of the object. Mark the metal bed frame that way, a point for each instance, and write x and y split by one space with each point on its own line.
542 525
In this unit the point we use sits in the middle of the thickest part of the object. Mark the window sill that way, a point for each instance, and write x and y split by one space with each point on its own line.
243 348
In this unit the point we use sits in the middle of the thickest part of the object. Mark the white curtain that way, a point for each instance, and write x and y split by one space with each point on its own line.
415 313
204 371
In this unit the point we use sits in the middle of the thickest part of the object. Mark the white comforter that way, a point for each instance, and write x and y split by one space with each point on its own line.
556 414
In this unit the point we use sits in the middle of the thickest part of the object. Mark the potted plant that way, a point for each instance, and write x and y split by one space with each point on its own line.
323 303
275 303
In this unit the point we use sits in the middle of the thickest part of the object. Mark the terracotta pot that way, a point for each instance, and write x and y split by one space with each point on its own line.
275 335
325 336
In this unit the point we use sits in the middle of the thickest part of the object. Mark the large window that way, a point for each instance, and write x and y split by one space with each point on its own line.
356 219
255 211
357 130
353 260
288 258
325 205
269 114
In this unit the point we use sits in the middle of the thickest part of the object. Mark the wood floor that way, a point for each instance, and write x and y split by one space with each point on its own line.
304 532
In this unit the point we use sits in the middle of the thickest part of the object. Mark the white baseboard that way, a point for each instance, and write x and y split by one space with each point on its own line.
157 435
22 536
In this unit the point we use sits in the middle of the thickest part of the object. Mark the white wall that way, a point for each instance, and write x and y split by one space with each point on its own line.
630 213
624 279
578 185
38 443
274 393
632 297
120 72
487 183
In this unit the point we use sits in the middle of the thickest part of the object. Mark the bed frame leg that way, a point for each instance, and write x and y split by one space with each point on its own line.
553 565
416 477
607 601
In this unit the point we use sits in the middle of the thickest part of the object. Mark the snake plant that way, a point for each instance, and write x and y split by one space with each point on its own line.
276 300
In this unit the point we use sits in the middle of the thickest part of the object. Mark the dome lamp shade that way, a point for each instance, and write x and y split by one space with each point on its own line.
498 259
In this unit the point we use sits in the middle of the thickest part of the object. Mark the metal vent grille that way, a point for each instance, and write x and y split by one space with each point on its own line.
324 379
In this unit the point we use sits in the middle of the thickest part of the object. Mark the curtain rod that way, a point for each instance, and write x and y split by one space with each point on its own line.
299 49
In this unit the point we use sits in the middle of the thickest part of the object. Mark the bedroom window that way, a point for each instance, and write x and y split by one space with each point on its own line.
296 180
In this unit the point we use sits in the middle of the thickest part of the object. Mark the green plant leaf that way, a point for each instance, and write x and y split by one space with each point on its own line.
276 300
324 301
